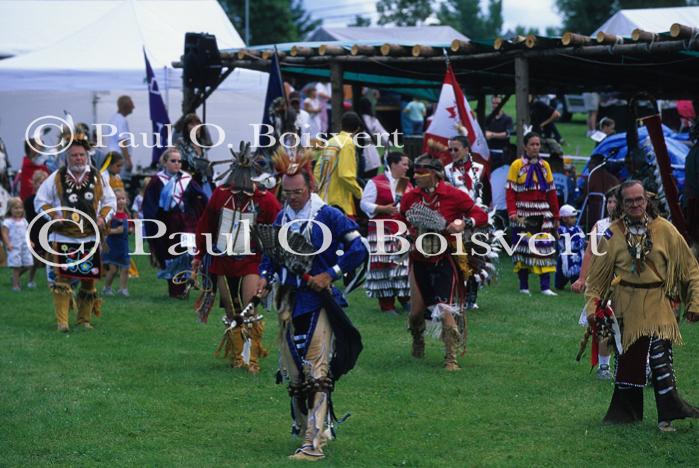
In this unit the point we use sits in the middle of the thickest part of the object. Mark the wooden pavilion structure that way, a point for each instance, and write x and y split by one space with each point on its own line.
664 66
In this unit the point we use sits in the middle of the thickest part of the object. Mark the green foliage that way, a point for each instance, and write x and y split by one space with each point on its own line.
302 20
526 30
466 17
360 21
403 12
271 21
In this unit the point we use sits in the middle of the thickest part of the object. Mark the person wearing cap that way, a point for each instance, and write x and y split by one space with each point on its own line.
238 204
532 205
437 280
571 247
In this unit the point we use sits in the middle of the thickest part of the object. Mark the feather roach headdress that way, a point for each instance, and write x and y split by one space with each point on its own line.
292 162
244 166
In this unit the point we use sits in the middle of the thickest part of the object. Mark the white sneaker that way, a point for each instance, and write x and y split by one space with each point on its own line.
31 285
525 291
107 291
123 292
548 292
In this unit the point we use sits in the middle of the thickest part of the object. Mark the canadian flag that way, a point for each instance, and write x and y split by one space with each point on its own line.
453 113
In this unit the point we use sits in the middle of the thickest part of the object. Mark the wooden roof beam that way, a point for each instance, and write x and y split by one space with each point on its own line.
573 39
393 50
680 31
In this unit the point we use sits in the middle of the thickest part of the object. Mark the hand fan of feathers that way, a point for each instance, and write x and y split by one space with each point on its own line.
425 218
267 237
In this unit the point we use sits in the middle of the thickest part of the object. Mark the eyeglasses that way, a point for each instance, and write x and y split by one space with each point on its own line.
290 193
179 161
634 201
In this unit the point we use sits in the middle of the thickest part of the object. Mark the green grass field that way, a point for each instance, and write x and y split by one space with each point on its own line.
143 389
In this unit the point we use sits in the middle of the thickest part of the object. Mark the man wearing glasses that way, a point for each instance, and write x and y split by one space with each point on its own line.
650 267
318 343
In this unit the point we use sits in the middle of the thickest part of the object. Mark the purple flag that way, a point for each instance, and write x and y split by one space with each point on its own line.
158 115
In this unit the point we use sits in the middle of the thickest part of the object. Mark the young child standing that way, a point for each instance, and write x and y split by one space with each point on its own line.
14 236
569 259
116 256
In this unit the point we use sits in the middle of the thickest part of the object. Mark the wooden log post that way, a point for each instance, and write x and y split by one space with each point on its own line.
639 35
246 53
359 49
393 50
608 39
337 95
680 31
300 51
462 47
573 39
521 98
329 49
423 51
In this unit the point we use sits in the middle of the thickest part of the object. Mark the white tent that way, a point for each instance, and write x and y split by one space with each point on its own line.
408 34
93 60
658 20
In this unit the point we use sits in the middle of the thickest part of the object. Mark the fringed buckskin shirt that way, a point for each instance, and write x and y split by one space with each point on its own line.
642 300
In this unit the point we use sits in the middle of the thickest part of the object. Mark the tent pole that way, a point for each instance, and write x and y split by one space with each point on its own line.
521 98
337 94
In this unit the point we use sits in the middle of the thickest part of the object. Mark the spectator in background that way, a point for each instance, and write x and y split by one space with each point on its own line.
416 112
607 126
323 94
119 141
565 185
193 144
312 105
30 213
591 101
303 118
498 126
30 165
500 165
599 181
691 183
685 108
377 136
542 118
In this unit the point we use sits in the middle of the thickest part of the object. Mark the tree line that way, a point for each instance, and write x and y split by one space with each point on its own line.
276 21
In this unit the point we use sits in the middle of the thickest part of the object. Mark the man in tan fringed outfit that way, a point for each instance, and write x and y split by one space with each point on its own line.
81 187
653 266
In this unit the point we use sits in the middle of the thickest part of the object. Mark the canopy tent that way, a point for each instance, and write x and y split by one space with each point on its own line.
102 54
657 20
412 34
